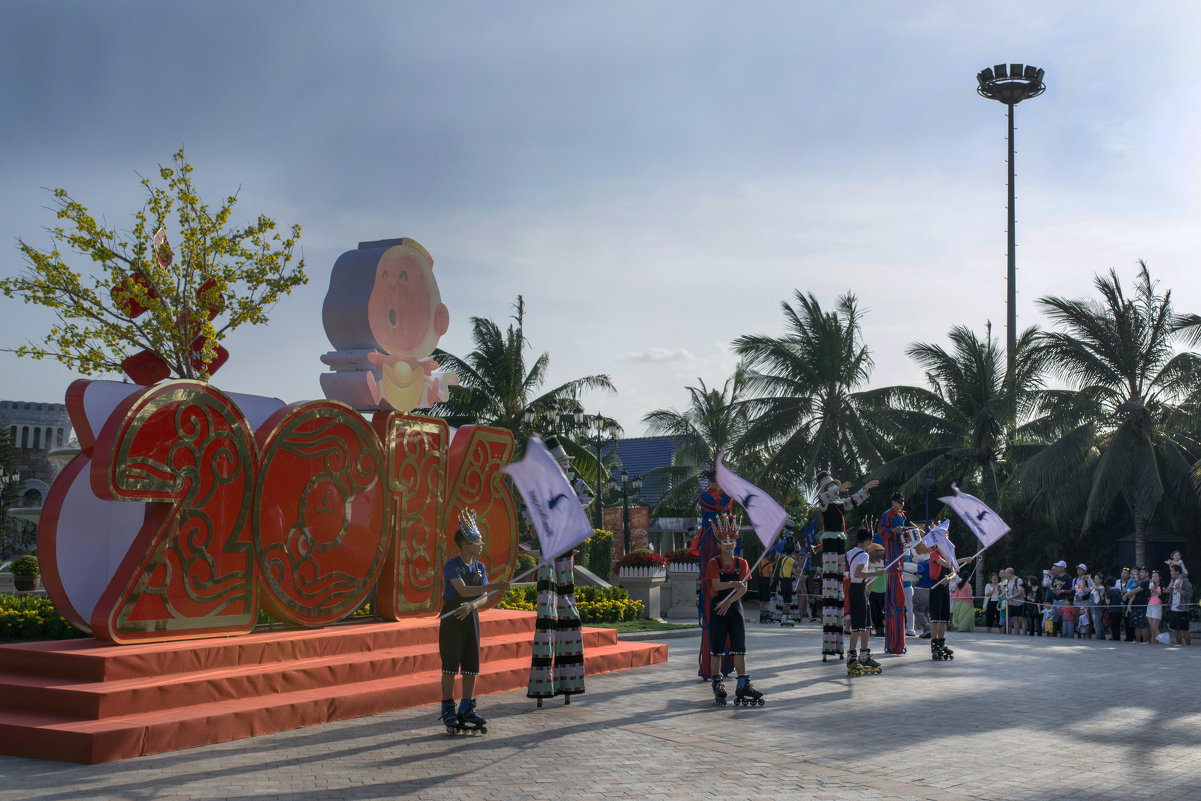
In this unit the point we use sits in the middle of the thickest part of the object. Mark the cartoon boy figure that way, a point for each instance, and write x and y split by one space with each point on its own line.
385 315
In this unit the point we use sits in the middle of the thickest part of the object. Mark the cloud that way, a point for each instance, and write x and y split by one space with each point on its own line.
658 355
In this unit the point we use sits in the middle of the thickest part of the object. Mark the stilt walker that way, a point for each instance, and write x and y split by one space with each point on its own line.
713 503
892 530
833 548
557 662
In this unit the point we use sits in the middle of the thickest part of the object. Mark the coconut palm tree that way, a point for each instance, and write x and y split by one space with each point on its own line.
713 421
1136 438
972 421
805 413
496 389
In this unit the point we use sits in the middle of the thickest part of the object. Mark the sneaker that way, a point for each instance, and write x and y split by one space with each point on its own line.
925 636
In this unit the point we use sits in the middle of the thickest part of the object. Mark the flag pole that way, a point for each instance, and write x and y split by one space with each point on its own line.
513 580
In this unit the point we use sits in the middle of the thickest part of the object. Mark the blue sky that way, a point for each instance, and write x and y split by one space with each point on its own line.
654 178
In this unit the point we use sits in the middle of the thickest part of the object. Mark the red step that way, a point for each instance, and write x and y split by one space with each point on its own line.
152 698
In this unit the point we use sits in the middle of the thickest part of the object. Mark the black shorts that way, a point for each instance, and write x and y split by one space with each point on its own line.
859 616
459 644
1178 621
728 625
940 604
786 585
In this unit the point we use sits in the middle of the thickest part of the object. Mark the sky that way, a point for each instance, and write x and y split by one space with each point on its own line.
654 178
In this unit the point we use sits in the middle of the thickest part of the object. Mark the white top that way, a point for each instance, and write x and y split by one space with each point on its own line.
856 563
992 592
1014 591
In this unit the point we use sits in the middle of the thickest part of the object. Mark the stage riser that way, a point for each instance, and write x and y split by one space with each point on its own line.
89 660
164 701
98 700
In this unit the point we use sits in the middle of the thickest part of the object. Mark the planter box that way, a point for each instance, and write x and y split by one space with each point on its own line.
646 589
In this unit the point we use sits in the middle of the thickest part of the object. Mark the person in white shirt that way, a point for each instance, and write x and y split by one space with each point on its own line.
1015 603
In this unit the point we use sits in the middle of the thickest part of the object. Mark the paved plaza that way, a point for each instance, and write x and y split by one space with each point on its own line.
1009 718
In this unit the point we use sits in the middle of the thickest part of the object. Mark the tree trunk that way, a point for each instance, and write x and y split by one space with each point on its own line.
1140 541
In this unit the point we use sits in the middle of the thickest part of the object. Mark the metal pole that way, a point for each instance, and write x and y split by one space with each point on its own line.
600 489
625 515
1011 339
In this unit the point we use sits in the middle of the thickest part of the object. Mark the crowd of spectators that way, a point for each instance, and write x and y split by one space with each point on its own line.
1147 605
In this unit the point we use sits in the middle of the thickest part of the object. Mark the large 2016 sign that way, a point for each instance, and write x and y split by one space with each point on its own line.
188 508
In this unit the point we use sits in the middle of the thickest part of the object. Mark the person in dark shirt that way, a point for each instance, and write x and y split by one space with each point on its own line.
1136 605
1060 593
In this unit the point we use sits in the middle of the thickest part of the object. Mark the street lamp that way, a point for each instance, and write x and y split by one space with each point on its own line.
7 480
1010 84
627 486
598 432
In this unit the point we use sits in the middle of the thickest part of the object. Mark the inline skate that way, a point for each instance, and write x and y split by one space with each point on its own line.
745 694
469 719
719 691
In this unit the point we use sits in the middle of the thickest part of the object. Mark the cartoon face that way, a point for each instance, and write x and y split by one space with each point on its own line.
405 309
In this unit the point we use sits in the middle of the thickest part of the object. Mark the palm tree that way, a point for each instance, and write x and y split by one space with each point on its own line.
1135 440
496 389
970 424
712 422
806 415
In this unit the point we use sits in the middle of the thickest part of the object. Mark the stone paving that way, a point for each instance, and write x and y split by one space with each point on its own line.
1009 718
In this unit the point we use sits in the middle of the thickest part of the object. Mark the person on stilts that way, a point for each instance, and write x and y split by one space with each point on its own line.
892 530
557 658
833 546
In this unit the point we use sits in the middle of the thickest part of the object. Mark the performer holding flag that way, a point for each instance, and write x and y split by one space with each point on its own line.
943 567
714 502
892 530
557 659
728 571
466 590
833 546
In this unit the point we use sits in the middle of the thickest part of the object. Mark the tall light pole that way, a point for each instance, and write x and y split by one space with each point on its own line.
1010 84
627 486
598 432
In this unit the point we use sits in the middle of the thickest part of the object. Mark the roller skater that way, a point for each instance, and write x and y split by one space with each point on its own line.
466 590
714 503
745 694
787 582
833 545
859 659
726 576
942 570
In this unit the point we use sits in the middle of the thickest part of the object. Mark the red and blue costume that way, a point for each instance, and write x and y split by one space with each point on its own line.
894 592
713 502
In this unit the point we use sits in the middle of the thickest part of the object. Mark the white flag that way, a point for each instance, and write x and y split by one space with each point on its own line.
939 537
767 517
559 520
986 524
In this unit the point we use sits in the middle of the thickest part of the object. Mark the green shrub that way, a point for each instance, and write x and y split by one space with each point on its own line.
27 565
600 553
595 604
32 617
525 562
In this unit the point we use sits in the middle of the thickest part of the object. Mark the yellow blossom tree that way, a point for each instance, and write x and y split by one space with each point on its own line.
141 306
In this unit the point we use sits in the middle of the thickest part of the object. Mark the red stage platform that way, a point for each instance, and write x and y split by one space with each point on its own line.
87 701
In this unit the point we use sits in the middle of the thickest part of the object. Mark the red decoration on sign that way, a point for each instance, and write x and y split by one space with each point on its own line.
189 573
320 512
146 368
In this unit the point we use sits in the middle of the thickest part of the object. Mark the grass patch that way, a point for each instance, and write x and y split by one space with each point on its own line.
642 624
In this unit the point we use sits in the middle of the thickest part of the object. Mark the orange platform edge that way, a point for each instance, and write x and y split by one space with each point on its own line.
87 701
